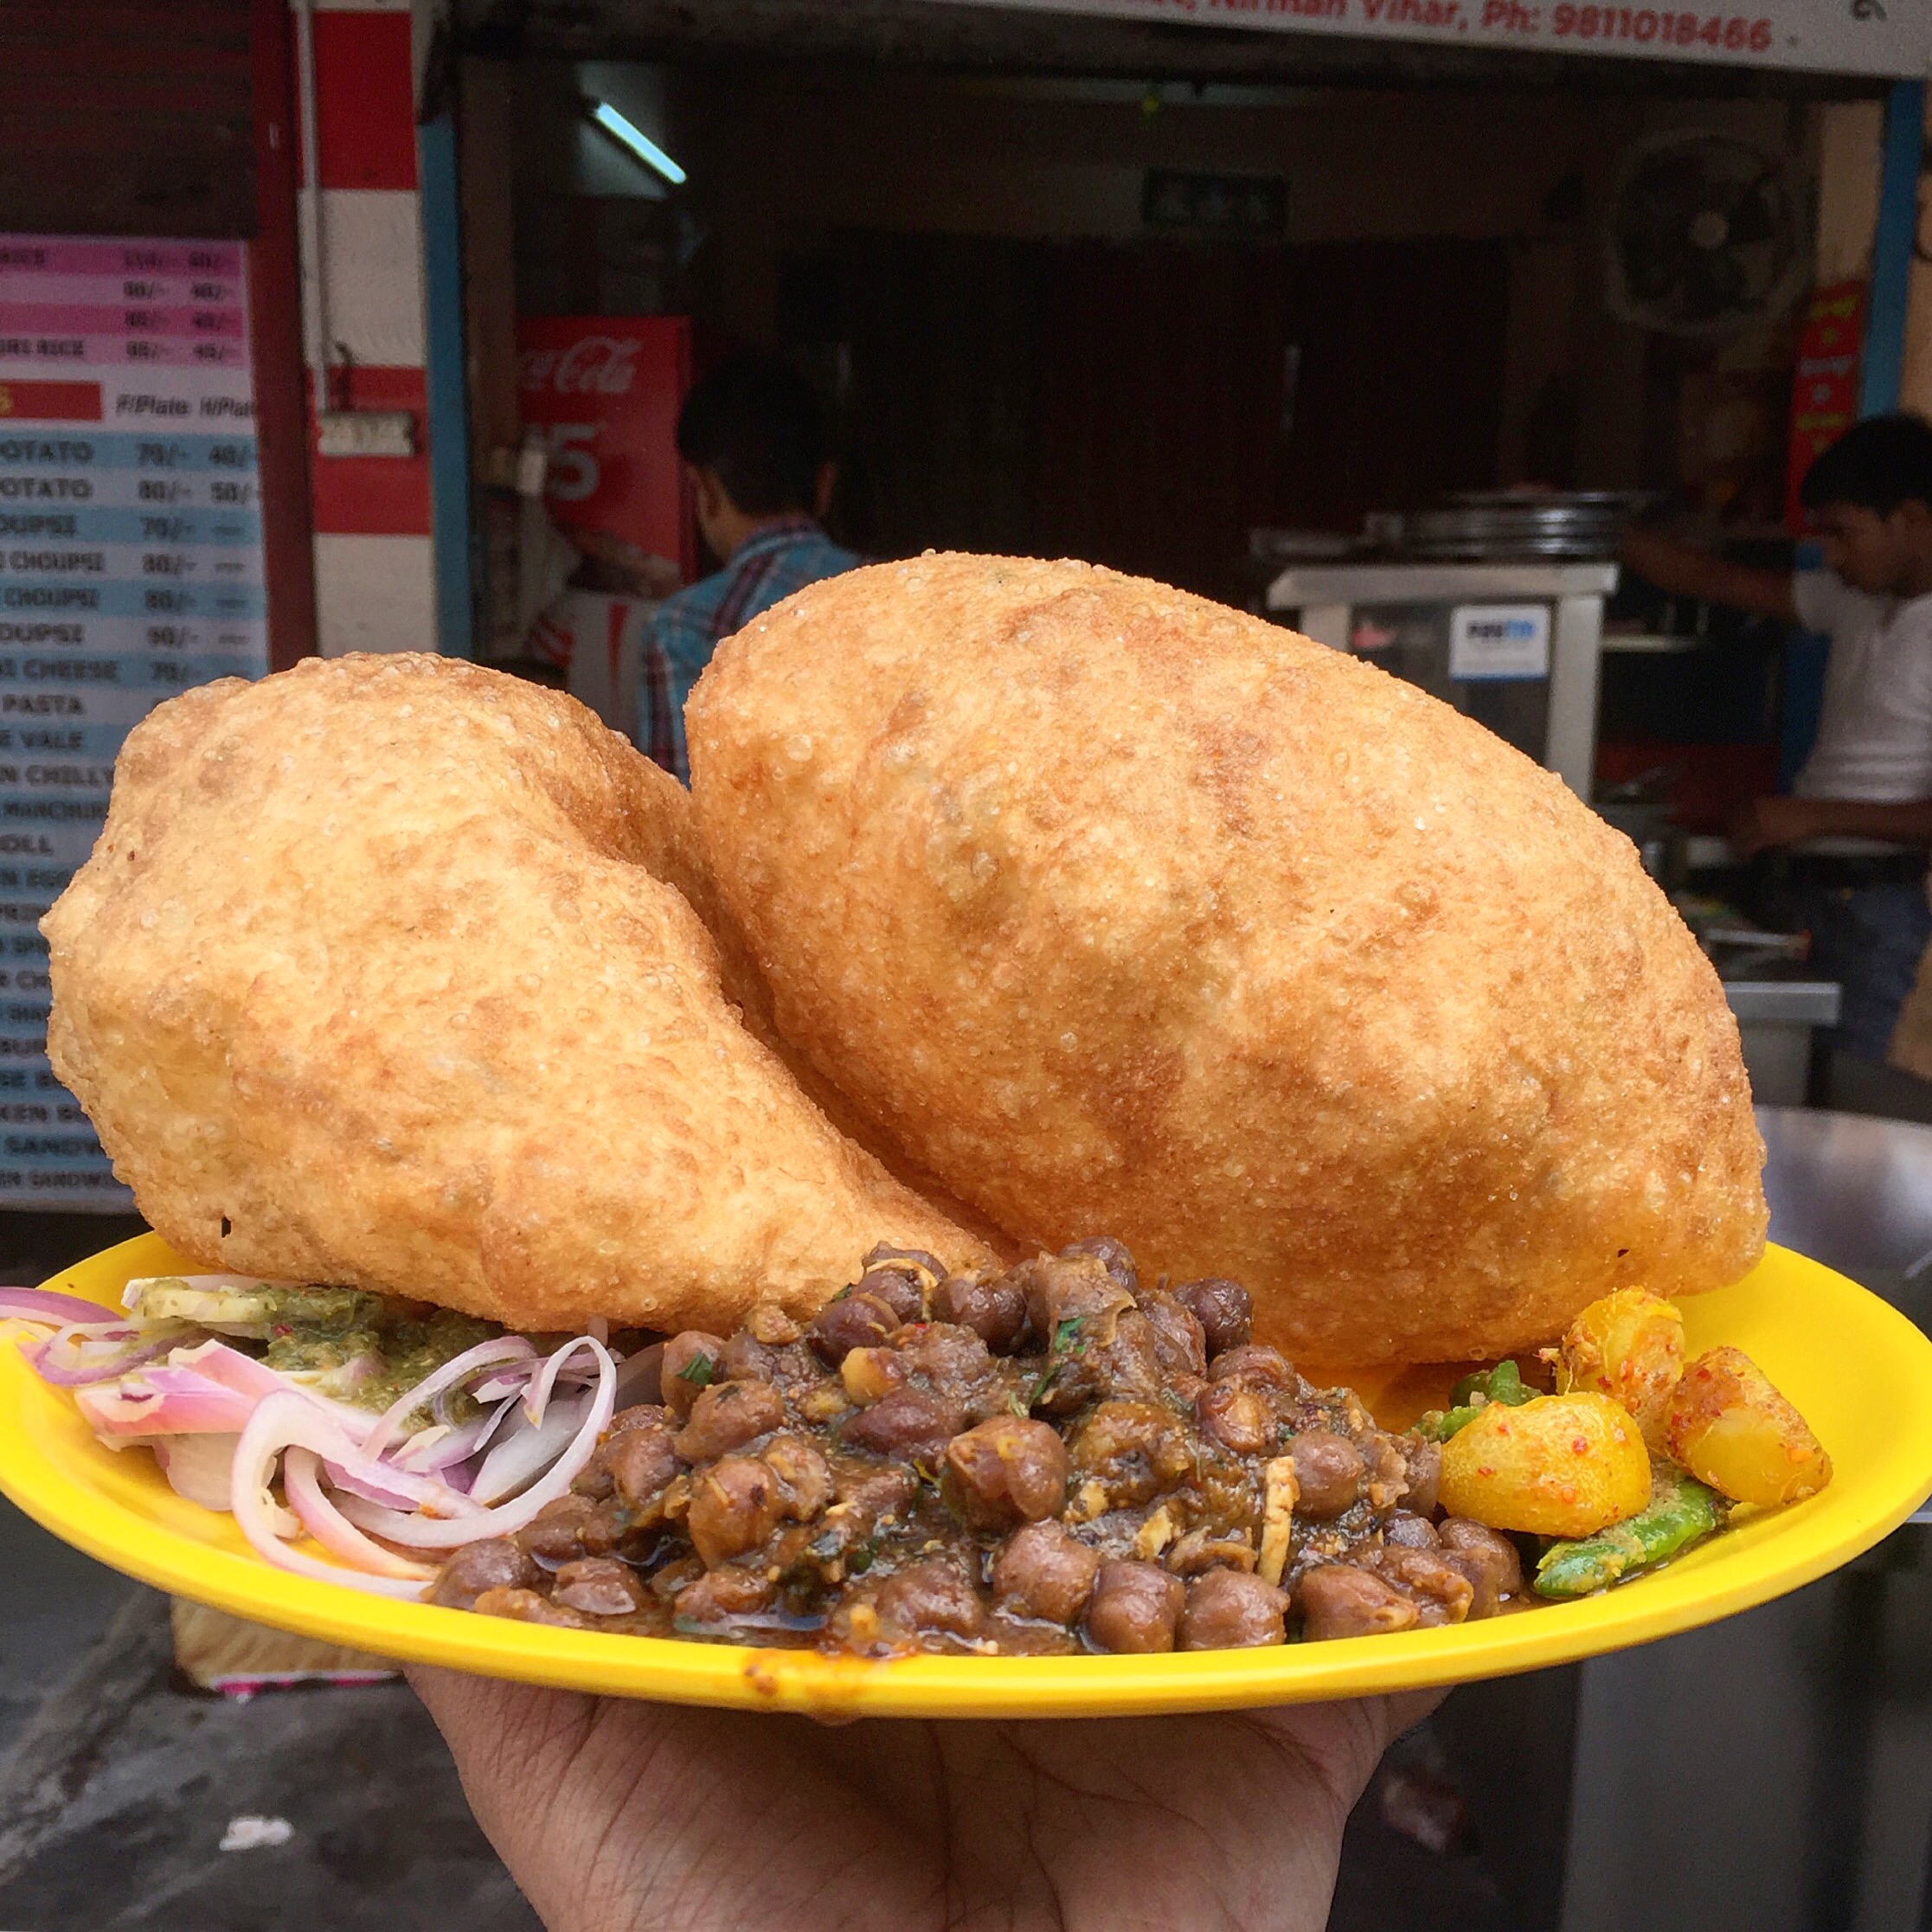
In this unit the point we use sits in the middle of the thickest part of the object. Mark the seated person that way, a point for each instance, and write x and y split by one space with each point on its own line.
755 439
1859 821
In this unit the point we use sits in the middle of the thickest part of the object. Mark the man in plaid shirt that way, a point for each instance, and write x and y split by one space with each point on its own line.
753 435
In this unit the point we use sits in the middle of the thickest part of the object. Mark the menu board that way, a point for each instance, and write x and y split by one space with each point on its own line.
131 568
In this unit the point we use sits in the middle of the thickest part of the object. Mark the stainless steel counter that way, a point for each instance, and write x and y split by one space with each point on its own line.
1776 1018
1784 1002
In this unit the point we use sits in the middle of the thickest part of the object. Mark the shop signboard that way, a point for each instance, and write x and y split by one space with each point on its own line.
131 568
604 391
1825 383
1882 38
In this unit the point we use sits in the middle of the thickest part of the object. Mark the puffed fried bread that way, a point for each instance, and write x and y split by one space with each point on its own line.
1121 912
386 972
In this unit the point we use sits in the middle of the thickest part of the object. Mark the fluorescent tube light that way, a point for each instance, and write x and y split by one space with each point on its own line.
636 142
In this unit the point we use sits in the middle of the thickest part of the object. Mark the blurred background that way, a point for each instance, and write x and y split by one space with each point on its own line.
366 326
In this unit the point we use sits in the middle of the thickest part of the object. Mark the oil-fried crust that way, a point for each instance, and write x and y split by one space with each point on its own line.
386 971
1121 912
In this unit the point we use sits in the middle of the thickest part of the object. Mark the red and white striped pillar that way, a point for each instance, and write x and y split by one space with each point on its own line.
374 562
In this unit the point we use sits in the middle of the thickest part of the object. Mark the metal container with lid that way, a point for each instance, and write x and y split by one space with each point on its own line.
1497 525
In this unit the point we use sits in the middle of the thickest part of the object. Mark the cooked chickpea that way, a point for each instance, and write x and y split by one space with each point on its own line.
852 1321
1238 1417
1005 1470
735 1504
1044 1571
1344 1600
1136 1607
690 1364
870 1375
1329 1469
727 1415
1223 1308
1226 1609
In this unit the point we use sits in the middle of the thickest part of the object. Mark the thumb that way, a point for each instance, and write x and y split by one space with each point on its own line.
519 1751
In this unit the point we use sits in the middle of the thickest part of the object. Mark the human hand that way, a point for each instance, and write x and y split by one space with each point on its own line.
1769 822
616 1816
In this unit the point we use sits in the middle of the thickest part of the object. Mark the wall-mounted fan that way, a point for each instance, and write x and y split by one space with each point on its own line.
1705 235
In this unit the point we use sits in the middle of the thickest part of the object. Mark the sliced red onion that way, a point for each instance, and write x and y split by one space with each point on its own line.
61 1358
207 1467
431 1450
457 1369
117 1329
232 1369
506 1413
486 1428
283 1421
199 1467
392 1495
515 1382
357 1473
49 1309
247 1377
201 1284
523 1455
210 1388
218 1420
510 1381
397 1488
537 1396
160 1400
498 1384
326 1524
407 1452
420 1532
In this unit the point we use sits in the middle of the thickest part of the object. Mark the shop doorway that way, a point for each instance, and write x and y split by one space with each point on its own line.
1160 404
1400 361
1142 404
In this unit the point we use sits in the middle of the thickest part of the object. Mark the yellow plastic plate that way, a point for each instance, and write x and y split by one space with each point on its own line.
1860 1372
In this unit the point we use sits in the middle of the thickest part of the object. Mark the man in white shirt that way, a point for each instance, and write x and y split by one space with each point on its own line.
1859 821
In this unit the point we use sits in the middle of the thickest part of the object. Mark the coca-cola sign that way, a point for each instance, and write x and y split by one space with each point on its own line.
604 391
593 365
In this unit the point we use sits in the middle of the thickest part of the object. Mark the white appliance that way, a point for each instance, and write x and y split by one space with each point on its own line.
1518 646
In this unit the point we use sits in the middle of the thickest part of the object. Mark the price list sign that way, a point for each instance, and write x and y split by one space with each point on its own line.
131 568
